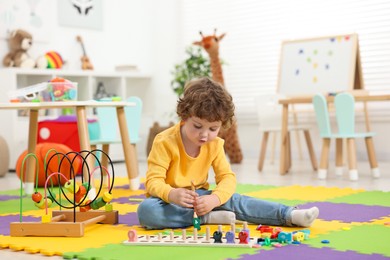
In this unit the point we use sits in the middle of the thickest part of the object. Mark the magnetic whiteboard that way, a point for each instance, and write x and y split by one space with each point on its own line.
320 65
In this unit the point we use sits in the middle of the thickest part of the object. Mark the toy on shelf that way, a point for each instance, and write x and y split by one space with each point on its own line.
20 42
85 62
61 89
57 89
75 193
54 60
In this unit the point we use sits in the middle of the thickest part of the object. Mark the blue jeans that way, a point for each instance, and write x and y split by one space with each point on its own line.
154 213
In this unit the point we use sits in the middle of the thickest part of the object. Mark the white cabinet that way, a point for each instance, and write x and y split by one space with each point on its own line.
13 126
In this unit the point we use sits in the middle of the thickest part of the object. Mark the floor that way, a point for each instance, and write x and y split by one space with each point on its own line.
300 174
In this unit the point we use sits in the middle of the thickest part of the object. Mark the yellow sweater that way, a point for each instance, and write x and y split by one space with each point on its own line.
169 166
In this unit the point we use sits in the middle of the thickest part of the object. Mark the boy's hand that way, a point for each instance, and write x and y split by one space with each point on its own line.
182 197
205 204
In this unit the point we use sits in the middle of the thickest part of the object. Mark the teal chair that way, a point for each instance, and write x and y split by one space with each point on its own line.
345 117
107 131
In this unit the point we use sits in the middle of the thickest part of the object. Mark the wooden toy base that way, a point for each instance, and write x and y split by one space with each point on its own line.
63 225
154 240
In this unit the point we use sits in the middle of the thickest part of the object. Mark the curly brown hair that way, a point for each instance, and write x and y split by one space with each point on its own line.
206 99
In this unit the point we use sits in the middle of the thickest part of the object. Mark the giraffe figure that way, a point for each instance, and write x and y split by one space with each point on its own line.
211 45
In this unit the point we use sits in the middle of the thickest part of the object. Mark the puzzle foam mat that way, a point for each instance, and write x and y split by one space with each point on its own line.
355 222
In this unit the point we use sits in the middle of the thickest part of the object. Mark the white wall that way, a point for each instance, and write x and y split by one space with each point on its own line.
126 37
150 34
142 33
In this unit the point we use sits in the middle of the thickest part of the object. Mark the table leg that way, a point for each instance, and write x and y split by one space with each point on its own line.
82 126
128 150
30 161
283 141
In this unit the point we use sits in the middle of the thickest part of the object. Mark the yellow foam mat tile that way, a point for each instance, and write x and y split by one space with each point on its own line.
308 193
118 193
92 238
125 208
321 227
382 221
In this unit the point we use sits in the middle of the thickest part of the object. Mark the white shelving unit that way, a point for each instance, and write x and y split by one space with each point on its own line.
123 84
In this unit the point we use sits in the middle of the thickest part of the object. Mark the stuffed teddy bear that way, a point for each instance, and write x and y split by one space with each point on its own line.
19 43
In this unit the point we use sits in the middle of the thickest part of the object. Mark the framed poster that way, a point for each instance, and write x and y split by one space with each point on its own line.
81 13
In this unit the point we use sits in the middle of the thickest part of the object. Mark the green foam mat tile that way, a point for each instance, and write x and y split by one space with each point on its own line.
365 239
125 252
378 198
13 206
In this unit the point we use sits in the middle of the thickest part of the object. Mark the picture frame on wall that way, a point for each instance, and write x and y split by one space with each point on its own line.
81 14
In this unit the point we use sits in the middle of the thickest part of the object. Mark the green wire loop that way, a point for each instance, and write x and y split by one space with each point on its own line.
21 180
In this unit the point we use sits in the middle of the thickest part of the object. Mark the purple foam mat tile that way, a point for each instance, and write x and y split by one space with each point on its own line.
348 212
130 219
303 252
6 220
127 186
8 197
127 200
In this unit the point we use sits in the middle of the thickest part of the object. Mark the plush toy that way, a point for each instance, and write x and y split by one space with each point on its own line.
211 45
19 43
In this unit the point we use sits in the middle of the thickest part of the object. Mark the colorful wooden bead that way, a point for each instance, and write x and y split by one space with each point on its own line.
36 197
107 197
71 186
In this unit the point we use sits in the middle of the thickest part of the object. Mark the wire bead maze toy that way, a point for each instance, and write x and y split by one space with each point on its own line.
71 195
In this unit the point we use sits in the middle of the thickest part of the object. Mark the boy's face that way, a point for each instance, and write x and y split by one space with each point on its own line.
200 131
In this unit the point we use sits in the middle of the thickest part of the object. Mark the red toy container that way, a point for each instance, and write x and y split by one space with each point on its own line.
63 130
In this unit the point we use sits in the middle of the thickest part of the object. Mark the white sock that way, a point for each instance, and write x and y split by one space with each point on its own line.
219 217
304 217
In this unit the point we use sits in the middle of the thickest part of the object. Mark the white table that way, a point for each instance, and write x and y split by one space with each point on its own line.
82 125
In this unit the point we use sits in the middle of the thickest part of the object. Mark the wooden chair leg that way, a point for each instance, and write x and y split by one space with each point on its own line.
323 169
262 151
339 157
295 121
311 150
372 157
274 136
288 156
351 146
